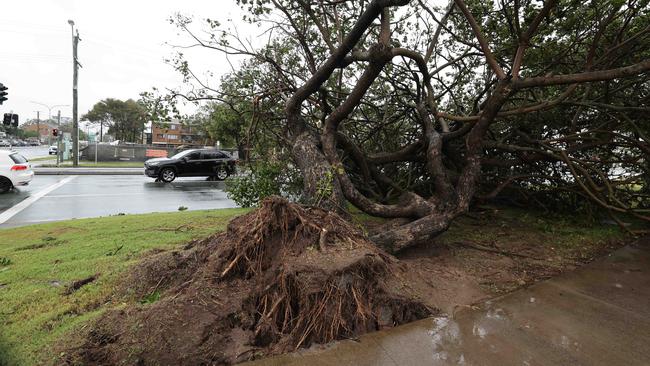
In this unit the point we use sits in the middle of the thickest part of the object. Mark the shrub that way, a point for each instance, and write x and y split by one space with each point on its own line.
264 179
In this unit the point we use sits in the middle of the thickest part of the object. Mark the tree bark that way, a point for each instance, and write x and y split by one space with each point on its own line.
320 185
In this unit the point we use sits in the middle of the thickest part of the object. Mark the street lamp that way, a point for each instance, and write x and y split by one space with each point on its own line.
49 108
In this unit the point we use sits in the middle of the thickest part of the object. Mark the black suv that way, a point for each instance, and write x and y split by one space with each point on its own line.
211 163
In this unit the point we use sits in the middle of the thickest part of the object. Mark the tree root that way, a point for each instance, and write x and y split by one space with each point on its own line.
281 277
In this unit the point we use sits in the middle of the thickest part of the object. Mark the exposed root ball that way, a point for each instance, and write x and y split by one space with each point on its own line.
280 278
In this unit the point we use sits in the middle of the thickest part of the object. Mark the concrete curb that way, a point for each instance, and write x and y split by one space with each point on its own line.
88 171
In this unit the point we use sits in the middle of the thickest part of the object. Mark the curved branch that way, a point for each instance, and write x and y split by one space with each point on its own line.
476 28
584 77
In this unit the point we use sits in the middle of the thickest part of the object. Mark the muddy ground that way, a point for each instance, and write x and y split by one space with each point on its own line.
489 252
286 276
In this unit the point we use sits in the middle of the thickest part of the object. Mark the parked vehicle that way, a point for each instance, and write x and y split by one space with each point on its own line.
53 150
5 143
15 170
32 141
212 163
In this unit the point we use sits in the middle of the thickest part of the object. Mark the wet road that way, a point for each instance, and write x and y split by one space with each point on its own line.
598 315
55 198
31 152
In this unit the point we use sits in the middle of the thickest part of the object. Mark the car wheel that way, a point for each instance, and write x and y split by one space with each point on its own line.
5 185
222 173
167 175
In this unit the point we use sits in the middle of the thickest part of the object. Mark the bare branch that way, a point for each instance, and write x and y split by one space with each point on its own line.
489 57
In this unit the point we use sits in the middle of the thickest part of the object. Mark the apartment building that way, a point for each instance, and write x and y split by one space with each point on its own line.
175 133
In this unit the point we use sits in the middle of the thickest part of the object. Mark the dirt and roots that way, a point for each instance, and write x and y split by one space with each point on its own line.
287 276
282 277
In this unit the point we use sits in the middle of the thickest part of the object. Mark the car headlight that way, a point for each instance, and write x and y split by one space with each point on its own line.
153 163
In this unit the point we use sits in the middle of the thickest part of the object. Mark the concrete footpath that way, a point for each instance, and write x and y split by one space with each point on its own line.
88 171
597 315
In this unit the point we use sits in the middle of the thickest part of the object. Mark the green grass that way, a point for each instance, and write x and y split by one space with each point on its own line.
568 233
101 164
37 262
43 158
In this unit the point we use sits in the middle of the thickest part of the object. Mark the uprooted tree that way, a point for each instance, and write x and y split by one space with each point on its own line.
413 112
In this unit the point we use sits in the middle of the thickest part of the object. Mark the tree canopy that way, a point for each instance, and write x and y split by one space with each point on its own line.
125 120
413 111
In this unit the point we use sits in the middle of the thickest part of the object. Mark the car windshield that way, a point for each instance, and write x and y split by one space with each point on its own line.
181 154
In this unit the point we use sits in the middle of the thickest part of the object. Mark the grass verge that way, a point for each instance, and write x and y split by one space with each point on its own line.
104 164
43 158
38 262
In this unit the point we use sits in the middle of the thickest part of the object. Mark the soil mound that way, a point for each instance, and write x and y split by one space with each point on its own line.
281 277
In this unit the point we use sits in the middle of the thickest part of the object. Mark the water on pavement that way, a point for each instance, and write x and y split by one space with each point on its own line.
103 195
597 315
31 152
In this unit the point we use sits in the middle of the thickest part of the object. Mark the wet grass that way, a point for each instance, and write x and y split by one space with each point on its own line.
570 235
40 261
42 158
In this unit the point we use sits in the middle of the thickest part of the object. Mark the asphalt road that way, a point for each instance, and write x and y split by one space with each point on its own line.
55 198
31 152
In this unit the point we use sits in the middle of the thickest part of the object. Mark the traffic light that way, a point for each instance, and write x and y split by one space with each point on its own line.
3 93
10 119
55 132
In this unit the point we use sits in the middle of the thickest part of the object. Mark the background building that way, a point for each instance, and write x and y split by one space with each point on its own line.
175 133
44 128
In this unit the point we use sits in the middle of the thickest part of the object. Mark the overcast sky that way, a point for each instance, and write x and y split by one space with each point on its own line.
123 44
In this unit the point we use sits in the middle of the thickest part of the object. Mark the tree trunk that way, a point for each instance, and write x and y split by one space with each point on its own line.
321 187
413 233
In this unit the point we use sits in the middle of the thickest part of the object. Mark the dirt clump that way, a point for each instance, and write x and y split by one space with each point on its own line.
76 285
281 277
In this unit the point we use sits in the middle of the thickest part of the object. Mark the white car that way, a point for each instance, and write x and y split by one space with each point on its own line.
15 170
53 150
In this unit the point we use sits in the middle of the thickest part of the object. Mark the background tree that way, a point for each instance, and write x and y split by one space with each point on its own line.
125 120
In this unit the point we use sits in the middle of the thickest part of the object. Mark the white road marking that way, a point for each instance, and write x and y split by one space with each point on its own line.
31 199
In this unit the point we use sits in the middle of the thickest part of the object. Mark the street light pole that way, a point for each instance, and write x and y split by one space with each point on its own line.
38 126
49 119
49 108
59 155
75 92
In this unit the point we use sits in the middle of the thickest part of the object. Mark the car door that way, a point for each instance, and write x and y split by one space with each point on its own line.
190 165
210 162
223 160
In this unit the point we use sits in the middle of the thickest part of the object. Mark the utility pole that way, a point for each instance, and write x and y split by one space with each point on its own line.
38 126
59 155
75 92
